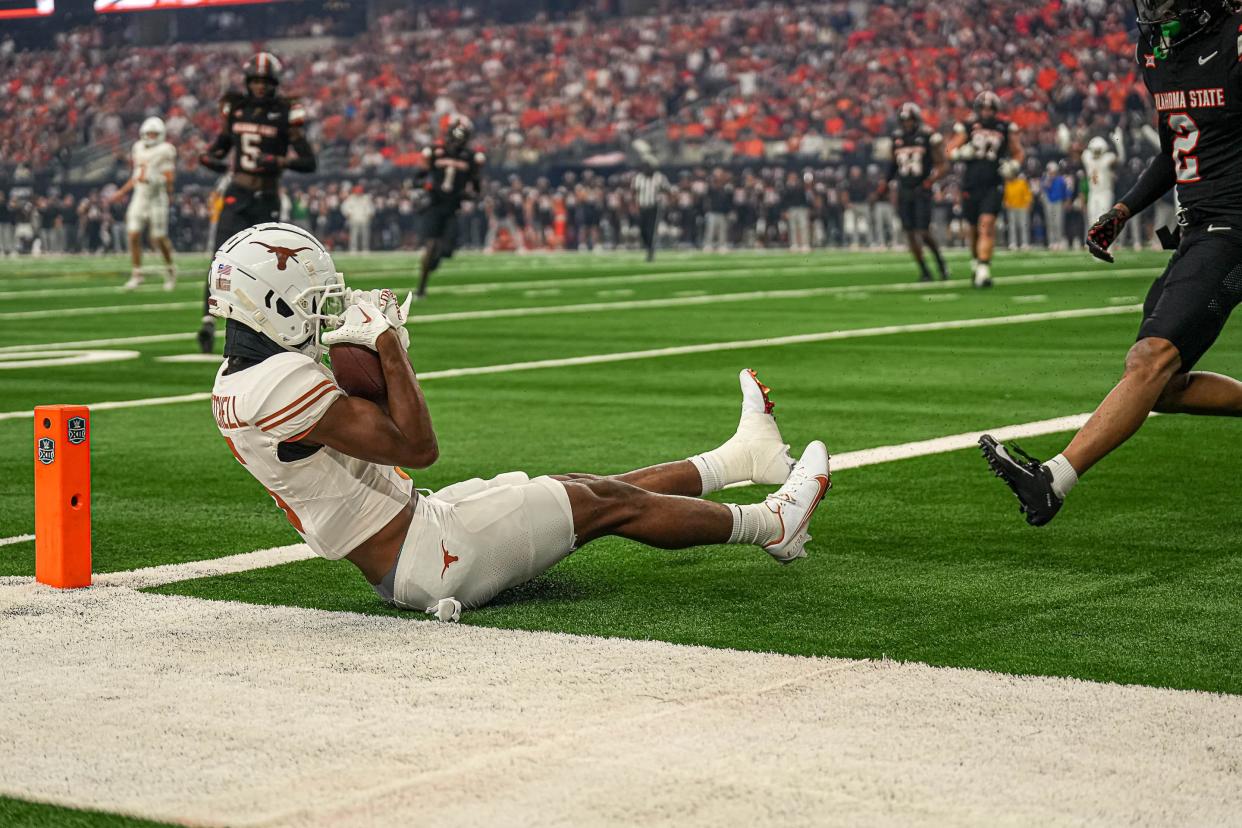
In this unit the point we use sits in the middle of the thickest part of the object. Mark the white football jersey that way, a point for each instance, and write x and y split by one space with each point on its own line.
1101 172
334 501
149 166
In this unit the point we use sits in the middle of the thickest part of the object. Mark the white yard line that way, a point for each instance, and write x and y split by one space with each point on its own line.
849 291
58 313
171 573
683 350
16 539
215 712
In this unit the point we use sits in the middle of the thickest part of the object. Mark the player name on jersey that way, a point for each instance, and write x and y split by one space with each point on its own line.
1181 99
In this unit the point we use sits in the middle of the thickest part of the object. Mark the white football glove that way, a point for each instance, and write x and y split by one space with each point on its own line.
362 323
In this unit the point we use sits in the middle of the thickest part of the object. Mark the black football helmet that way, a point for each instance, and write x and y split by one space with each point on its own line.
910 115
265 67
457 131
1169 23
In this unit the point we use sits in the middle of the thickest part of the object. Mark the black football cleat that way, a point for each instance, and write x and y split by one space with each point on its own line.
207 336
1030 480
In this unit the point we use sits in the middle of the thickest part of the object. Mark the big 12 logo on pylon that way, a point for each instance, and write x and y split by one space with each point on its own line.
47 450
77 430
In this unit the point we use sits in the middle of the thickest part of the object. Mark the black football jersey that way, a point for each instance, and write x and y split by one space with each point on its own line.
450 171
1198 96
260 127
912 156
990 139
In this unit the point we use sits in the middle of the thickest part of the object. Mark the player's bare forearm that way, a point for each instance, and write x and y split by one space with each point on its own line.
940 166
406 404
1016 152
360 428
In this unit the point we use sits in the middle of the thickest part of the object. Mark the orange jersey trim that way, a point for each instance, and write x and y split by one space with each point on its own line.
327 387
260 422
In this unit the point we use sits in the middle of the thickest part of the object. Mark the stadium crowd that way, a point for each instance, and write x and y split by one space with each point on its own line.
738 80
1044 207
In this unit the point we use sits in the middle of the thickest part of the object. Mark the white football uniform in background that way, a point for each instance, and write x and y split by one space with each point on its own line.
1101 182
148 205
468 541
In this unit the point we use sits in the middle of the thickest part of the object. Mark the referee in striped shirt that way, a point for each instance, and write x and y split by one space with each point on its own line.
649 188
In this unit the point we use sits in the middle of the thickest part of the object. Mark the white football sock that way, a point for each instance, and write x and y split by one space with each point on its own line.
1064 477
754 523
714 468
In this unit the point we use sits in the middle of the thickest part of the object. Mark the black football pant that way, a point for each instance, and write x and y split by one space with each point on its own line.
242 208
648 218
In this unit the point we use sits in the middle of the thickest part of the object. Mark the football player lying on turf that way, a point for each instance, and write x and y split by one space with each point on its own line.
331 461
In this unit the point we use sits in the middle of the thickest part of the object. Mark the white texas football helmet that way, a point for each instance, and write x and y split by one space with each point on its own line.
1097 146
279 280
152 131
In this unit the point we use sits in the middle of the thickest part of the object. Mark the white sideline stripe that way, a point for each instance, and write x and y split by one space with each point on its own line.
153 576
15 539
246 715
852 291
846 291
196 358
171 573
681 350
57 313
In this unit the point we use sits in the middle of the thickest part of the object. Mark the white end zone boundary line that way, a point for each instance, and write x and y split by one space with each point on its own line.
678 350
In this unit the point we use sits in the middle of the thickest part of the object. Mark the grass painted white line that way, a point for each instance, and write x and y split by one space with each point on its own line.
338 719
194 358
16 539
685 350
105 310
113 405
54 359
846 292
170 573
1033 299
1121 300
796 339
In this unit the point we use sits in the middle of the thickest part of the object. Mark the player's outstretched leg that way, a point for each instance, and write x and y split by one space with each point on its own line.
135 258
756 453
608 506
916 250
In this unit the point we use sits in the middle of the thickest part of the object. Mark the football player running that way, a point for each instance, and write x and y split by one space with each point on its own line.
918 163
1099 162
331 461
454 174
265 134
153 163
988 146
1190 56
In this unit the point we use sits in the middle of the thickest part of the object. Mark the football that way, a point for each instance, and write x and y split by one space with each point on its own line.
358 372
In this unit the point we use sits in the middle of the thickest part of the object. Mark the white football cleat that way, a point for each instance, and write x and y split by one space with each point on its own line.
758 435
983 276
135 282
796 501
170 279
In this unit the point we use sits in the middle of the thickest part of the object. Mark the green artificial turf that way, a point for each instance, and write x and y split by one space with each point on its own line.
18 813
926 559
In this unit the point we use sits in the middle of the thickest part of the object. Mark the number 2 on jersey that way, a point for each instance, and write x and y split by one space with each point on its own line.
1185 140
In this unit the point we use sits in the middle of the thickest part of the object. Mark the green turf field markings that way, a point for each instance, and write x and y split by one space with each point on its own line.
942 297
1033 299
614 294
535 294
57 313
153 576
646 727
192 358
1122 300
679 350
681 294
16 539
119 404
61 358
89 343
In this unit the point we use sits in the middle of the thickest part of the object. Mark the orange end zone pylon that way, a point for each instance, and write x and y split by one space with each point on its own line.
62 448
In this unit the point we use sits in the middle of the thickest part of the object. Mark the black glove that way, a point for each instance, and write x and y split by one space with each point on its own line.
1104 232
